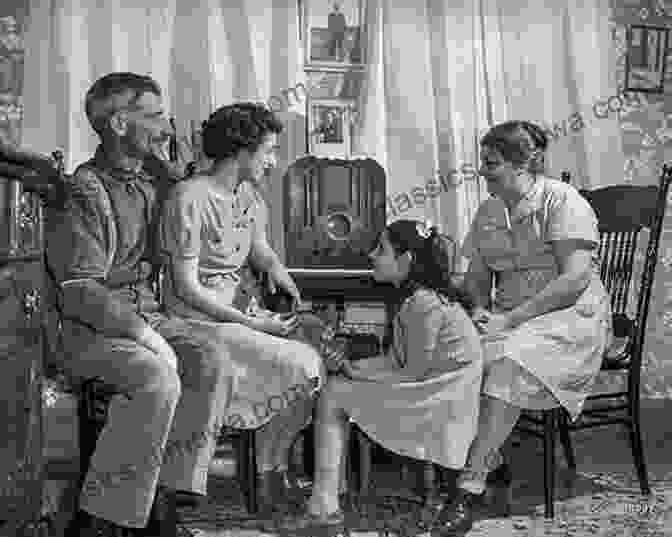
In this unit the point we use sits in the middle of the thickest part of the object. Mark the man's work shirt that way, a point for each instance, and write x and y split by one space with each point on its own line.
106 233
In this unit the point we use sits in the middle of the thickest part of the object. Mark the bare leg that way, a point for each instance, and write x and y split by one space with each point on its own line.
330 433
296 418
496 421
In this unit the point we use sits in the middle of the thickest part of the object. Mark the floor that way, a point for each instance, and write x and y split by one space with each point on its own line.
602 499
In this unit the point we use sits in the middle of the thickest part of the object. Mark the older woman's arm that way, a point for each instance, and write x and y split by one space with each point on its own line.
478 282
574 262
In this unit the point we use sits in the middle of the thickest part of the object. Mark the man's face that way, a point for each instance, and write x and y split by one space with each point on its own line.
255 166
145 129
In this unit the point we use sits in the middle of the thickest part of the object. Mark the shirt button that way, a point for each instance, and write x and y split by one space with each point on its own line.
238 248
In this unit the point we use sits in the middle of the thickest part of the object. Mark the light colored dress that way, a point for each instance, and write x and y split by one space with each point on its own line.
553 359
272 373
424 400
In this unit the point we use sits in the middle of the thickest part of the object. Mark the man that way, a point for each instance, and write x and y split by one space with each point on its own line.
337 27
174 376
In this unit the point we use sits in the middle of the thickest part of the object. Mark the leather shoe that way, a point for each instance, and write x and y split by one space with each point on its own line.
297 488
456 518
500 476
274 496
188 499
163 516
86 525
498 491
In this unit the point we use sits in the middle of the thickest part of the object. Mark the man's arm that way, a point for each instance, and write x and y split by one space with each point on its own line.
80 245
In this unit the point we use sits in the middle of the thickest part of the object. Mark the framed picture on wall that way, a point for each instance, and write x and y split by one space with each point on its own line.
333 32
329 126
646 58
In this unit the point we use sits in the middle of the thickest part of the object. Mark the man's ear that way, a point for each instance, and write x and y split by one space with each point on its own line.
119 123
406 260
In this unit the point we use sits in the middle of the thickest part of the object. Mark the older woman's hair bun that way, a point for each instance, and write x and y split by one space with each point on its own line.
537 134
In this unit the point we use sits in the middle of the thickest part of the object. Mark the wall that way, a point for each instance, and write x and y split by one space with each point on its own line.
12 20
647 141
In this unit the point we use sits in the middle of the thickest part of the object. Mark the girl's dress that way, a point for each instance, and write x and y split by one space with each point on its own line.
422 397
272 373
553 359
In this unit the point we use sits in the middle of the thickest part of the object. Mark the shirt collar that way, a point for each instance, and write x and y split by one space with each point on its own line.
530 202
123 173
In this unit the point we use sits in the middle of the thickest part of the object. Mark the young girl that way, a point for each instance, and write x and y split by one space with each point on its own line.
421 398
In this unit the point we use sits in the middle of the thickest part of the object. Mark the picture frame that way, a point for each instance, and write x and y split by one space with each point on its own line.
333 33
646 58
329 128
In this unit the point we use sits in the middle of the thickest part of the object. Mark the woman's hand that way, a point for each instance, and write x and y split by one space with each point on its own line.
335 356
353 371
277 325
480 318
495 324
279 278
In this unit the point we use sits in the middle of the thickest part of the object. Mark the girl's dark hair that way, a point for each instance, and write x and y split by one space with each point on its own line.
434 257
234 127
520 142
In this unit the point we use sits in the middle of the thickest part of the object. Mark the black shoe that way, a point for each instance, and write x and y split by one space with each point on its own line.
274 495
456 518
500 476
191 500
86 525
163 516
298 488
498 492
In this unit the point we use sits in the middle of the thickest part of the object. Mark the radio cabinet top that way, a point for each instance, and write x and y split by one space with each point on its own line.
334 211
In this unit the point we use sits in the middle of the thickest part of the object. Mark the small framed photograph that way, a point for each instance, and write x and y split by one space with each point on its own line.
334 32
646 58
329 128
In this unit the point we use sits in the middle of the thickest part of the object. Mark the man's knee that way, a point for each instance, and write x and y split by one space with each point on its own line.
162 377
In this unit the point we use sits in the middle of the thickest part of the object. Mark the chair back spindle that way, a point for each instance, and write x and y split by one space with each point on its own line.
623 211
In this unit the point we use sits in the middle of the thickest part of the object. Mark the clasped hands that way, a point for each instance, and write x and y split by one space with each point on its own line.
491 325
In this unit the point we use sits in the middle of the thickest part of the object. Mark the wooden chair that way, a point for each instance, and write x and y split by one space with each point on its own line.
622 211
94 396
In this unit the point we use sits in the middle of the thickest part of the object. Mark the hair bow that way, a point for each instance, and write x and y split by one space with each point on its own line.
424 229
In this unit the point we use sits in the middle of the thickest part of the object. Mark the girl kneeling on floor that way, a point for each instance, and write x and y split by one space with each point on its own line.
421 399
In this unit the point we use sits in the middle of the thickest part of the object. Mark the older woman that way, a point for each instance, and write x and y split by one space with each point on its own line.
550 323
213 224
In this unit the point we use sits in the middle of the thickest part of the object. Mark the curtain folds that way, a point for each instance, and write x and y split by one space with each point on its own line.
203 54
441 72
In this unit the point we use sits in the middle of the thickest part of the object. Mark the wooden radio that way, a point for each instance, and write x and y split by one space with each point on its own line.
334 211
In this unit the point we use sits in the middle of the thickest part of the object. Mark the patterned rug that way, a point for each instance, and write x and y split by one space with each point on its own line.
602 499
611 507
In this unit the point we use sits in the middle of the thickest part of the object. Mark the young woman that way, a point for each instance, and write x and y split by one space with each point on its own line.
420 399
212 226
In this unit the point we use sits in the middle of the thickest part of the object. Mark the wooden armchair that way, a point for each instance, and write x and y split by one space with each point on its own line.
622 211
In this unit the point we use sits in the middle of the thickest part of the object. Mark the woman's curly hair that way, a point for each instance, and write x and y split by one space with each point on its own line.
235 127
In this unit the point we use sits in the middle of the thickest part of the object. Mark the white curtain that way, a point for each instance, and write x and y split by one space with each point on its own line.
440 72
204 54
